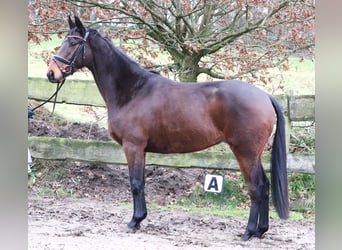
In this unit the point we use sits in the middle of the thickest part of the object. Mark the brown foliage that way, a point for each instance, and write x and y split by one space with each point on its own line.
223 39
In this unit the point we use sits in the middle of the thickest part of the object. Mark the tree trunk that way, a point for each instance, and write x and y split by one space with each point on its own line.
188 68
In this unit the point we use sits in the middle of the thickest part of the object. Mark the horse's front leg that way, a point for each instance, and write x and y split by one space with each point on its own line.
136 164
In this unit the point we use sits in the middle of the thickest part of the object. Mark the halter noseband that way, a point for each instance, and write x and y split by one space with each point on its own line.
71 61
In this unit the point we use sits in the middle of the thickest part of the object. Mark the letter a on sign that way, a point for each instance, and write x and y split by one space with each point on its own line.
213 183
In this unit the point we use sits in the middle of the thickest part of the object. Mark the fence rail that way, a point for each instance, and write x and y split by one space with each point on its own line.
112 153
296 108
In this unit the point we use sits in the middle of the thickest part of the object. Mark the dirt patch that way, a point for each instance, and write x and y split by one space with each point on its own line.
45 124
92 224
74 205
110 182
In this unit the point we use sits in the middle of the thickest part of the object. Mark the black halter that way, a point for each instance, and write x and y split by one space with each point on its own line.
70 63
70 69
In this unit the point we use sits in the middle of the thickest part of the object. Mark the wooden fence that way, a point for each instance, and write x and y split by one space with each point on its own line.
296 108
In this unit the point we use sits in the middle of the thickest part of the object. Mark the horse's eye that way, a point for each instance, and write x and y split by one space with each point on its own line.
73 43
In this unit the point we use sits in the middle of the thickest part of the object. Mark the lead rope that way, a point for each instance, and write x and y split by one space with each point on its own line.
59 86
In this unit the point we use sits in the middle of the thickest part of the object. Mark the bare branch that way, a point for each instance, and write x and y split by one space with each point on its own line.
200 36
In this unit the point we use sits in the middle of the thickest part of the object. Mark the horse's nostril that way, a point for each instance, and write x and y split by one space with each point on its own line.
50 75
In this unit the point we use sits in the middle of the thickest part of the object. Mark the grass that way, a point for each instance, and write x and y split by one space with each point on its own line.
51 174
302 140
77 113
299 80
302 193
234 201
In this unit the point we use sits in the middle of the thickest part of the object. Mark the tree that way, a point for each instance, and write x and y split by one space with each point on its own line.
223 39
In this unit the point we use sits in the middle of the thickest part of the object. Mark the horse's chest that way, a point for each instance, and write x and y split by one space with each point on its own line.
116 129
125 126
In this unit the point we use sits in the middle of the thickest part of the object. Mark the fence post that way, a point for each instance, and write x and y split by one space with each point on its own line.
287 132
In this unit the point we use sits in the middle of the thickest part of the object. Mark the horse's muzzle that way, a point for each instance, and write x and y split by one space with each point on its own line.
51 76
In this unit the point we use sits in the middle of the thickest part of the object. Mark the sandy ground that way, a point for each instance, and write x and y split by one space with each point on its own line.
82 223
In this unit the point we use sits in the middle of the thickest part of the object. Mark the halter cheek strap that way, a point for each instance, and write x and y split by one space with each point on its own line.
70 63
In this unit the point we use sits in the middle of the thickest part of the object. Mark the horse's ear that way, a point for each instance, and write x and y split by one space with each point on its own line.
80 26
71 23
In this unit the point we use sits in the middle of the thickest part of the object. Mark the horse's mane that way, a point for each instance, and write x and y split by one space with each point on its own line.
131 76
117 50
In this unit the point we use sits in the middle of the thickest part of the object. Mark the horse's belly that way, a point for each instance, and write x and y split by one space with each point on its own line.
183 142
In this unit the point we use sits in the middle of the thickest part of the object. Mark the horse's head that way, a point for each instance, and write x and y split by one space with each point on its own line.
72 53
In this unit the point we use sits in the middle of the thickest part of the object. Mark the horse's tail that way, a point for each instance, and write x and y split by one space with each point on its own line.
278 166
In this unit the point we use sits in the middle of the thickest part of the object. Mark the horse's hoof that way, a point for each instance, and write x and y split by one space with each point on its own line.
133 226
246 236
260 233
130 230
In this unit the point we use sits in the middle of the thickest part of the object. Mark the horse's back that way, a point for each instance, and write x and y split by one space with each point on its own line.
193 116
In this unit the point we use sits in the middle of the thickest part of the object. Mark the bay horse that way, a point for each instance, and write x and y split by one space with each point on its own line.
150 113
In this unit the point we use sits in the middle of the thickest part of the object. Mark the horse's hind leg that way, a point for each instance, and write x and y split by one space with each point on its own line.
258 189
264 205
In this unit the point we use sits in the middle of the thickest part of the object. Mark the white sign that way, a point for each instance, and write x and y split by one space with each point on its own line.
29 159
213 183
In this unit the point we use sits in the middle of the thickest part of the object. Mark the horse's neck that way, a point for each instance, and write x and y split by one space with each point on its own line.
114 75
